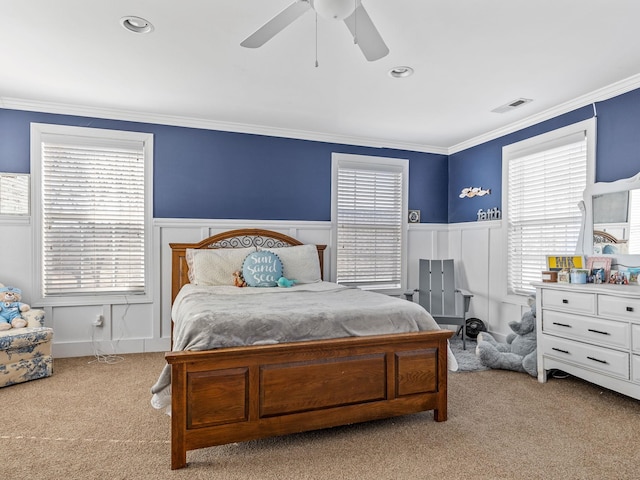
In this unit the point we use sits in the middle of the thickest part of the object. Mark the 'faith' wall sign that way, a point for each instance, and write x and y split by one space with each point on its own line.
489 214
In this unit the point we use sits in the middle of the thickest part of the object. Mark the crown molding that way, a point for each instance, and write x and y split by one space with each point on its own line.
618 88
179 121
615 89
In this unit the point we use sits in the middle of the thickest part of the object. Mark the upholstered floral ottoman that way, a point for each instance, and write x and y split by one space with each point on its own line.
25 353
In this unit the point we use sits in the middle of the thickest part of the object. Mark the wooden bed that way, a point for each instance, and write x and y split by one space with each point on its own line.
243 393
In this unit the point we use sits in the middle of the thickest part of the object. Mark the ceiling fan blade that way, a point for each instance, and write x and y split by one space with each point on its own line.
366 34
276 24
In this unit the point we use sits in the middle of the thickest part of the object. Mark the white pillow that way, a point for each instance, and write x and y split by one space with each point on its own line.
299 263
215 266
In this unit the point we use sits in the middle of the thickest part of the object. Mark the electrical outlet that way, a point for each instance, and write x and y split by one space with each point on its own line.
98 322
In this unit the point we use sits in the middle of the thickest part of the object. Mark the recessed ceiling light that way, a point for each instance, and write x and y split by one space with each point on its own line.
401 72
136 24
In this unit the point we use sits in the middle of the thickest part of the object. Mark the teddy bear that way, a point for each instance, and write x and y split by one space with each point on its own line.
238 279
519 353
11 308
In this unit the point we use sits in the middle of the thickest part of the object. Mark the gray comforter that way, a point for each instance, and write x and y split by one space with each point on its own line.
213 317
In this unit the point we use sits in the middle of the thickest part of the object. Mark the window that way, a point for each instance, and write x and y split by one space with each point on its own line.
92 211
544 181
369 211
14 194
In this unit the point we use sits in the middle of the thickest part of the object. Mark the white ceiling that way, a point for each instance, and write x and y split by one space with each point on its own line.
469 56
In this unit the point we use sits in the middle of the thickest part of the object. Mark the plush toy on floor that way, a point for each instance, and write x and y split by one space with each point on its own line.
11 308
519 352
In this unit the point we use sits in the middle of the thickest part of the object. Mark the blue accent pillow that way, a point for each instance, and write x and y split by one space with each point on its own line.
262 269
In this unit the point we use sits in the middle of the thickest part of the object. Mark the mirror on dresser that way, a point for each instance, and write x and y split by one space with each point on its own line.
612 217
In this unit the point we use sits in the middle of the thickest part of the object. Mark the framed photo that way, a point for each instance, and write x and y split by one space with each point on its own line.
564 276
619 277
596 263
598 276
556 263
634 273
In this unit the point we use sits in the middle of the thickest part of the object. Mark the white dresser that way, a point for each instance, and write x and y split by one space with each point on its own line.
592 332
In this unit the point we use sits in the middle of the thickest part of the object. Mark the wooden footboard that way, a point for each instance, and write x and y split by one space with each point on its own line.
238 394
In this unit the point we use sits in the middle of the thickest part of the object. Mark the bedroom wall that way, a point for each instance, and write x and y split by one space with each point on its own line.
296 189
479 245
617 155
147 327
206 181
239 176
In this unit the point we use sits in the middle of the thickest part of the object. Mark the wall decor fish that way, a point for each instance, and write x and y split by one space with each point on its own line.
470 192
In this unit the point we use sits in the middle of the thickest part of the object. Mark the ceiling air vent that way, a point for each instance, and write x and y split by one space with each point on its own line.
511 105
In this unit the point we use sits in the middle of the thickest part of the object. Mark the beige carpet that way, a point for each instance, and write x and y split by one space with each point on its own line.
94 421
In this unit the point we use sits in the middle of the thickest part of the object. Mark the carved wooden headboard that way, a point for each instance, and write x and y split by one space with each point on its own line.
603 237
246 237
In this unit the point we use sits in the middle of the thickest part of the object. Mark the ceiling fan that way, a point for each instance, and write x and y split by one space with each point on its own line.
352 12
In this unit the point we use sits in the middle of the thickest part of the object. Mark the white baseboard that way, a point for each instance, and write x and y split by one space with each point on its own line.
120 347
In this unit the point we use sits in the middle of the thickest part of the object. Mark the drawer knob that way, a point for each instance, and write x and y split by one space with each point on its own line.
597 360
559 350
629 309
599 331
564 300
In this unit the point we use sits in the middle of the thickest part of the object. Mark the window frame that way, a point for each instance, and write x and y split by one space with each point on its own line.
38 132
365 162
532 145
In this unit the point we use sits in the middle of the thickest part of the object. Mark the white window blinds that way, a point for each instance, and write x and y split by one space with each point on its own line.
545 185
93 216
14 194
370 225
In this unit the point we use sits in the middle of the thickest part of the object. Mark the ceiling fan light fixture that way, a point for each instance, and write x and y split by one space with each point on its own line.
352 13
334 9
136 24
401 72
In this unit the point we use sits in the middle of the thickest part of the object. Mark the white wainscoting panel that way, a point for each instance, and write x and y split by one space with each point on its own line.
479 247
425 240
136 327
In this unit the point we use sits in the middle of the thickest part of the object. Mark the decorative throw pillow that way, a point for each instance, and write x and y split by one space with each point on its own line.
300 262
262 269
215 266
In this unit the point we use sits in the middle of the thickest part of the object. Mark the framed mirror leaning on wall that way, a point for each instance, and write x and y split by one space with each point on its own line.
612 218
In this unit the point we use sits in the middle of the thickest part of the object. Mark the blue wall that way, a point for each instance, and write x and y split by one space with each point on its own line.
617 153
211 174
220 175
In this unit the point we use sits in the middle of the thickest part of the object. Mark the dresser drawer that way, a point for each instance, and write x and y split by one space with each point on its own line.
619 307
600 359
635 338
604 332
635 365
575 301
